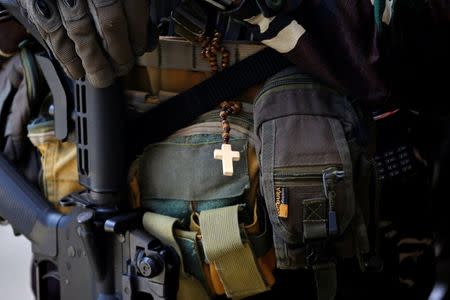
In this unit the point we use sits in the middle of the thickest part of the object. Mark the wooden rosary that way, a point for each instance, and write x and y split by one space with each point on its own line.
225 153
210 49
228 108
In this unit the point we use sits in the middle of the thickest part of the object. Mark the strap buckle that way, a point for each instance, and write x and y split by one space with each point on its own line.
190 20
316 253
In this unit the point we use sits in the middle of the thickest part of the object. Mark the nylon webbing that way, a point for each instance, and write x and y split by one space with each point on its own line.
233 259
185 107
326 281
161 227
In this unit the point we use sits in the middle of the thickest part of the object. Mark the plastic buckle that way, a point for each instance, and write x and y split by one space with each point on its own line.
190 20
316 253
311 256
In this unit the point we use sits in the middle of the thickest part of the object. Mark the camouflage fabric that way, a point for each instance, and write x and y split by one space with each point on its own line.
334 41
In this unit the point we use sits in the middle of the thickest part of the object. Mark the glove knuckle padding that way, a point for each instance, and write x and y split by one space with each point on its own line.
81 31
50 27
138 18
64 51
112 26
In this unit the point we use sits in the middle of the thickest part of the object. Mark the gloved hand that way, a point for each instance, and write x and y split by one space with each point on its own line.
96 38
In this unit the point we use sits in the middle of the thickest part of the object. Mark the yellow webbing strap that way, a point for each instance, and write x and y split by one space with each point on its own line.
59 164
161 227
232 258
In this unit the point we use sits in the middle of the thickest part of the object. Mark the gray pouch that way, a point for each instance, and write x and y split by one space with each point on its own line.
305 149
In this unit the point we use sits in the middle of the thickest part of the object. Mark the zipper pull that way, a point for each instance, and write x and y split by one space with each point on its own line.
330 176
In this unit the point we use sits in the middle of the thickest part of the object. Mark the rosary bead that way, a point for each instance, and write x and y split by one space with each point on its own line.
210 47
227 108
223 115
237 106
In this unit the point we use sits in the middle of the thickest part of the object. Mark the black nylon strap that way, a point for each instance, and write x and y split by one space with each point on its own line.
326 281
185 107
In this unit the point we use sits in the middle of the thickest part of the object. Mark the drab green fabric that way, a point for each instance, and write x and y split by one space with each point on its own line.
189 172
161 227
224 248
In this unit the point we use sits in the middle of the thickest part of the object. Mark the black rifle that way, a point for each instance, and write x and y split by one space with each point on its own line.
99 250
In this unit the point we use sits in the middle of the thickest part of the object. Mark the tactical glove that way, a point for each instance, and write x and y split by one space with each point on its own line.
96 38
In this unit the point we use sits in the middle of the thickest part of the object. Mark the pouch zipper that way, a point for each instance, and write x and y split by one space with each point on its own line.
289 82
244 118
215 128
291 176
287 179
330 177
325 176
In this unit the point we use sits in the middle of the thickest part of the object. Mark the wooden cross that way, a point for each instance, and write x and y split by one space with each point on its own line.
227 156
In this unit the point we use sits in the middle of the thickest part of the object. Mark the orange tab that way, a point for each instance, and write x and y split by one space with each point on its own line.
283 211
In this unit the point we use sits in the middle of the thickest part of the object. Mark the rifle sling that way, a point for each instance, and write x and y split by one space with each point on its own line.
182 109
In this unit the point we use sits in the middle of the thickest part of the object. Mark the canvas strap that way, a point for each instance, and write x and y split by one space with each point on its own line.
233 258
162 227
